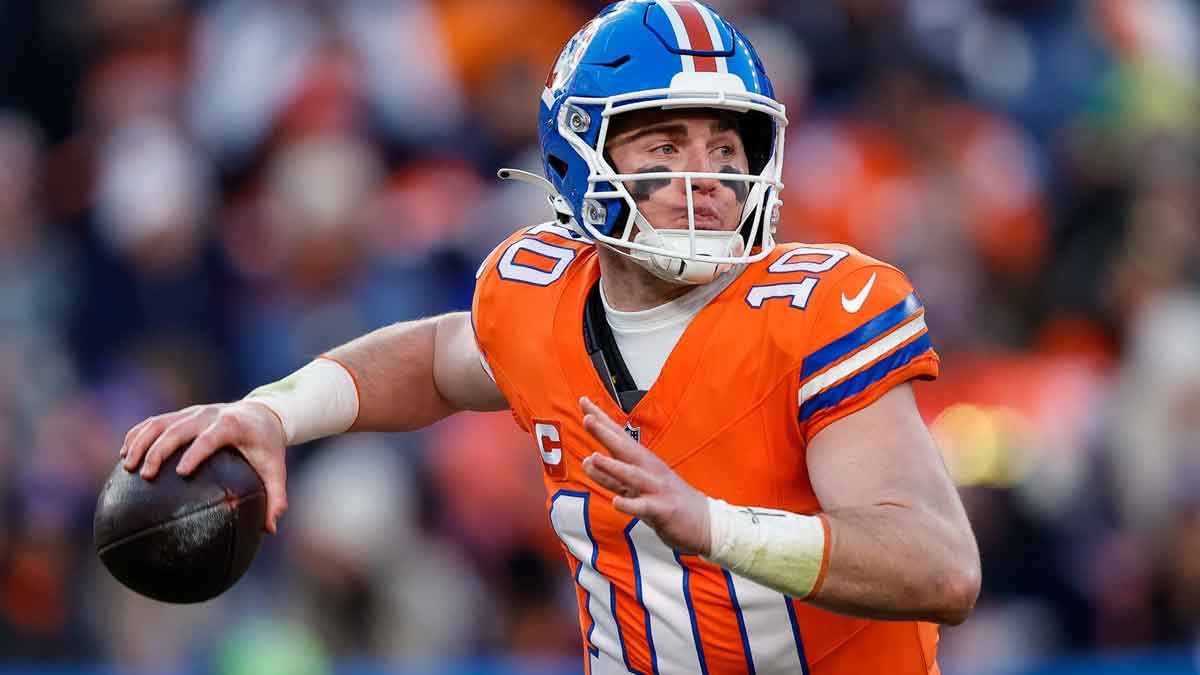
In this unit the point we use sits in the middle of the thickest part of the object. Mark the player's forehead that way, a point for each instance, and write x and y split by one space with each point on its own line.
686 121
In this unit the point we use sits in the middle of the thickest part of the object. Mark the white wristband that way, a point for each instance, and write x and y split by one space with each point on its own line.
320 399
782 550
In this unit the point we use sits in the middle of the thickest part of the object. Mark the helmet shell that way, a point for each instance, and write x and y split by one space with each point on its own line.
629 47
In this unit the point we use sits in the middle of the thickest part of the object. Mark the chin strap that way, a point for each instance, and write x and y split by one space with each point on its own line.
562 210
718 244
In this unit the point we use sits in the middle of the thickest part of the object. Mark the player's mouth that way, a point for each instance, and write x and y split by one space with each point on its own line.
706 217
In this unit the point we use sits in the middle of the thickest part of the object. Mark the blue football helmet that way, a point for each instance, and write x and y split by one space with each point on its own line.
660 54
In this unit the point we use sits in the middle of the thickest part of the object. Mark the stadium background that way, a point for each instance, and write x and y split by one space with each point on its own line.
197 197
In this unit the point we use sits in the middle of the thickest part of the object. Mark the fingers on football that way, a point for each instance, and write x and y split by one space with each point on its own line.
181 431
142 436
139 438
216 435
132 434
227 430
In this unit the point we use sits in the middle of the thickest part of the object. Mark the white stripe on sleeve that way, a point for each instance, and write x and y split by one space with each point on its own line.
862 358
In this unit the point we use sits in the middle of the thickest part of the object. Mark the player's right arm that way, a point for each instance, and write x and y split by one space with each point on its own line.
398 378
413 374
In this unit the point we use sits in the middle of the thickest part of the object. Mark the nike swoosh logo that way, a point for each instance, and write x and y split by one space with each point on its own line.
852 305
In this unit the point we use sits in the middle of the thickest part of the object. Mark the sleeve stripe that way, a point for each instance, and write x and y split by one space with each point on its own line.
864 379
839 348
863 357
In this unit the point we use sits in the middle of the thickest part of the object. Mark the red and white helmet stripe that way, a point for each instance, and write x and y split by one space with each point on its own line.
696 30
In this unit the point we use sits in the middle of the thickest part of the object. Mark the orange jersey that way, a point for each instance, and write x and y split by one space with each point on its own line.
798 340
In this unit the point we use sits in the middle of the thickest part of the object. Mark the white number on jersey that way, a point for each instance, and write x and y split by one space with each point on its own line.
663 592
511 270
799 292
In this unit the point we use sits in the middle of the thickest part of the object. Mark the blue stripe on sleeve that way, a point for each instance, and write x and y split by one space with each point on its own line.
865 378
851 342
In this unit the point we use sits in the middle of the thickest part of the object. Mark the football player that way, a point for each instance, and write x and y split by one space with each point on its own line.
732 455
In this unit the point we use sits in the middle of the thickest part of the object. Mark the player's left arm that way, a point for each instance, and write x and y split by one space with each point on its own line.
900 545
897 541
892 543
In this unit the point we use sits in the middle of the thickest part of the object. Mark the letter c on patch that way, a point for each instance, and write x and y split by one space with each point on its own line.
549 440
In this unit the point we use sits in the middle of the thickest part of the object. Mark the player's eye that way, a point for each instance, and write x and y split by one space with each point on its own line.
664 149
726 151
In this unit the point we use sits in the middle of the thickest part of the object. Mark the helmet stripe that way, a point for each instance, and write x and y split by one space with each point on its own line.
698 36
710 22
681 34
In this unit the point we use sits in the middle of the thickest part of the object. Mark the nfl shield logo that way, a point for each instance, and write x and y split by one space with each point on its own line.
634 432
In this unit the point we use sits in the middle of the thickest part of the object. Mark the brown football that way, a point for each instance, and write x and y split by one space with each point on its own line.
178 539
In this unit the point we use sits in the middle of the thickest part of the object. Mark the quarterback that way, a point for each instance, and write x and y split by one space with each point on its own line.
732 455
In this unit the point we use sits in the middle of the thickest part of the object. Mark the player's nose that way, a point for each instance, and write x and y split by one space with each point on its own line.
699 160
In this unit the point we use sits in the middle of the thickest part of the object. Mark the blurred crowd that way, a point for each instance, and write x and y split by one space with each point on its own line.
197 197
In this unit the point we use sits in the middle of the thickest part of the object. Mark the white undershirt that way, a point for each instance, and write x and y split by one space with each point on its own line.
646 338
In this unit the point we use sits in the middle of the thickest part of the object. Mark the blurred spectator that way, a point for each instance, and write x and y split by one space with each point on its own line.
152 198
37 289
942 188
503 75
369 577
1157 430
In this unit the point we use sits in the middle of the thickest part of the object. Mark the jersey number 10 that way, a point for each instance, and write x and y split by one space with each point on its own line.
556 259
